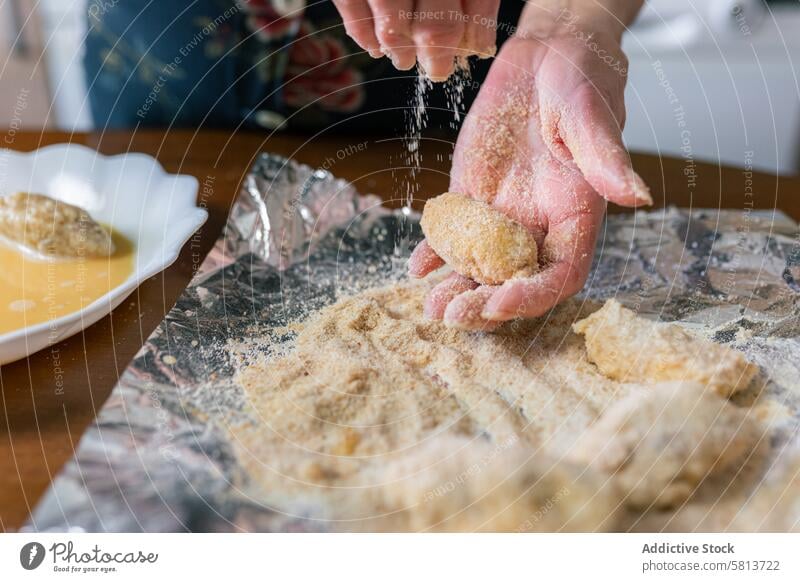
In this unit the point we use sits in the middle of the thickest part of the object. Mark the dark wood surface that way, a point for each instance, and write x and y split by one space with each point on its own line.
41 425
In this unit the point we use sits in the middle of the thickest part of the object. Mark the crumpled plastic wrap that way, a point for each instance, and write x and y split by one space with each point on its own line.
156 457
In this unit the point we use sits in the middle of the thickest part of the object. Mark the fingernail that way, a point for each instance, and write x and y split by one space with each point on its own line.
496 314
413 272
463 325
404 63
487 52
438 69
404 57
482 51
375 53
493 309
641 192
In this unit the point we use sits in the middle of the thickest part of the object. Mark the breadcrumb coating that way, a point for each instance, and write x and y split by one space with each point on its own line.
52 228
661 443
478 241
629 348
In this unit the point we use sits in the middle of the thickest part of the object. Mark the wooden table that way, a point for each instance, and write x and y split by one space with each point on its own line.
40 425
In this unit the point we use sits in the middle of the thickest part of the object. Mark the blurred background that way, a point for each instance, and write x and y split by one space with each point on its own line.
710 80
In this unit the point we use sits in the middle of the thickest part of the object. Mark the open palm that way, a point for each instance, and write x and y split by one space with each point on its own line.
542 143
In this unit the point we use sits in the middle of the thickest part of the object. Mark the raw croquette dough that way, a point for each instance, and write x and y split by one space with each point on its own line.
629 348
661 443
375 418
478 241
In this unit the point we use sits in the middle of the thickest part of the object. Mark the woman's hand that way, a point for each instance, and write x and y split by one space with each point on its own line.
431 31
543 144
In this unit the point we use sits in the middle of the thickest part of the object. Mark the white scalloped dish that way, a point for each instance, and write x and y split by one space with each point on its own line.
154 211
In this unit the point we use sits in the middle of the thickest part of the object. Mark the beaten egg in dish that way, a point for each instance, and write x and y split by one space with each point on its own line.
54 260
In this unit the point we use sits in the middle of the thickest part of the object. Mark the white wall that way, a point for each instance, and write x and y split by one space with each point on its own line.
716 83
63 32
